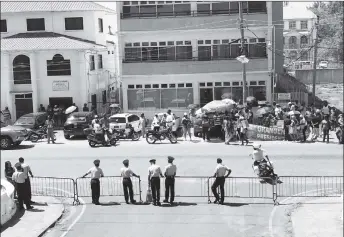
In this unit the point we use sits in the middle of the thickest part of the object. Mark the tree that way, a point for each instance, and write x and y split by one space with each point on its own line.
330 30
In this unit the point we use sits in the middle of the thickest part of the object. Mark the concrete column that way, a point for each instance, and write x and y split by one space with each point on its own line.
196 97
34 84
124 96
84 97
7 86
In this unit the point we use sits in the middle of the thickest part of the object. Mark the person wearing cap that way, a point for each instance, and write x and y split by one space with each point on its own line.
126 173
186 122
169 119
26 170
96 174
170 174
220 174
94 120
154 174
19 179
143 125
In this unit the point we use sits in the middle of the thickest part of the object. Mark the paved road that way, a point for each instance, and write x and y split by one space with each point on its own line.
193 217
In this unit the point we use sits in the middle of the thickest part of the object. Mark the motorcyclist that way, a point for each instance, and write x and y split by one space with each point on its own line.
94 120
169 119
98 130
156 123
258 156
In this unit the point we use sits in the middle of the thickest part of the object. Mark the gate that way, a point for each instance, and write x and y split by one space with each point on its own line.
189 186
109 186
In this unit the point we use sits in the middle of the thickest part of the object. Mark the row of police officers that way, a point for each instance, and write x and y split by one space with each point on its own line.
154 175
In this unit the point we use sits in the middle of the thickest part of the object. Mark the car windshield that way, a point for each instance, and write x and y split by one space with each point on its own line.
117 120
76 118
25 121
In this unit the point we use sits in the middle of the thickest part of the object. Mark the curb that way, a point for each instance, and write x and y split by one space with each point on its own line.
54 222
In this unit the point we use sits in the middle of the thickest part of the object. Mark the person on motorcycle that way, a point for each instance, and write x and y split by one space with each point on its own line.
98 130
94 120
258 157
169 119
156 123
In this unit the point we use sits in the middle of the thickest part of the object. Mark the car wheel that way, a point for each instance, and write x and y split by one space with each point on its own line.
5 142
67 136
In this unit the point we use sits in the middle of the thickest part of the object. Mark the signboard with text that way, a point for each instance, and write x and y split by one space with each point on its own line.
284 96
262 133
60 85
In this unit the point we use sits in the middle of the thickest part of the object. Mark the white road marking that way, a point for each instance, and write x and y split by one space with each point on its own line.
282 202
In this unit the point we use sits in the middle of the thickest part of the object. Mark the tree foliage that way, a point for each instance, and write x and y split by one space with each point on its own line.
330 30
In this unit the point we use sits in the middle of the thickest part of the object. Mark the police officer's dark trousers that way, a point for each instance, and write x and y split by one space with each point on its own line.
22 194
155 185
169 185
28 188
95 187
219 181
127 184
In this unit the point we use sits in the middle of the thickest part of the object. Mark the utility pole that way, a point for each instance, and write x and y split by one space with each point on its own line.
315 59
243 52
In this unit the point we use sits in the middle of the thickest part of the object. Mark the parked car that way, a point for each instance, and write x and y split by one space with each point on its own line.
32 120
323 64
121 121
76 123
12 136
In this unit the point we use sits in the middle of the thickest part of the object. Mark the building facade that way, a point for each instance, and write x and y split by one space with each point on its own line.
176 53
298 35
56 53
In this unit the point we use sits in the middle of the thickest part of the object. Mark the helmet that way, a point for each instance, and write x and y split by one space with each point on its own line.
142 114
185 114
317 111
256 146
95 116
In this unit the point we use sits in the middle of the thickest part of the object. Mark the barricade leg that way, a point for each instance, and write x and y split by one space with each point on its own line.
209 201
140 190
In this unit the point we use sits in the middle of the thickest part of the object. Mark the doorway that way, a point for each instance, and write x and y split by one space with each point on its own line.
63 102
205 95
23 104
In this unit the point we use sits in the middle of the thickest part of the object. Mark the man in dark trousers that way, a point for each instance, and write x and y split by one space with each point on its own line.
19 179
220 174
205 127
154 174
85 108
96 174
26 170
126 173
170 174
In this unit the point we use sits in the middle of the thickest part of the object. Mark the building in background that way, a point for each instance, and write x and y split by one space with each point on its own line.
176 53
56 53
298 35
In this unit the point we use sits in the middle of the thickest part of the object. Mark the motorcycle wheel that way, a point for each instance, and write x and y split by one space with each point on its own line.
91 143
34 138
173 139
135 136
113 142
150 138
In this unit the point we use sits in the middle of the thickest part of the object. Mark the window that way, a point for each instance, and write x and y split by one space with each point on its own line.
293 55
234 7
221 51
150 54
74 23
182 9
183 52
131 11
92 63
132 54
235 50
165 10
148 11
256 7
204 53
292 42
104 97
257 50
304 40
100 25
304 56
100 61
203 9
292 25
58 66
36 24
21 70
220 8
304 25
3 26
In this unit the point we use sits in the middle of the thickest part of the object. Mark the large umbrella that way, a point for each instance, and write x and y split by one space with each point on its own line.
229 101
251 99
293 112
265 110
114 106
193 106
217 106
70 109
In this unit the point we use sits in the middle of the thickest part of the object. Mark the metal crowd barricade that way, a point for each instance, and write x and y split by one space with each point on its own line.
53 187
310 186
245 187
109 186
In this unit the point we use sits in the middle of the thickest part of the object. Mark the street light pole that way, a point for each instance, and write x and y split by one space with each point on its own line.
243 52
315 59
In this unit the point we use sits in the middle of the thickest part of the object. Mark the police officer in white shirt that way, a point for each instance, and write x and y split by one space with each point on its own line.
154 174
19 179
27 171
126 173
169 119
170 174
220 174
96 174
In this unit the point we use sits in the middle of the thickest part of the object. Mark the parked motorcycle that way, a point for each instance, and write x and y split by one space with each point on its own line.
152 136
39 134
122 134
265 171
99 139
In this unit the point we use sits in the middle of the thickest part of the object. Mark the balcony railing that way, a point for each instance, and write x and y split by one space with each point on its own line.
296 46
191 13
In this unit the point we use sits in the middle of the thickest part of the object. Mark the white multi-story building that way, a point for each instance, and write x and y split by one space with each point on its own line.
299 34
56 53
177 53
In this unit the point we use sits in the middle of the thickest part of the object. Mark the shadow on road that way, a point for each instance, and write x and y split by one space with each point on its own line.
57 143
36 210
235 204
22 147
14 220
181 204
110 204
40 204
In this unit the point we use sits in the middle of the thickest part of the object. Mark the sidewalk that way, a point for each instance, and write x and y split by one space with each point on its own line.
319 217
35 222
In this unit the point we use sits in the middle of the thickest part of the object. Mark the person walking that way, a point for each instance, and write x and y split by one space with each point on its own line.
326 128
56 117
186 122
154 174
27 170
243 130
169 119
170 174
143 125
18 178
126 173
303 127
41 108
205 128
96 174
50 129
85 108
226 128
9 171
220 174
7 116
